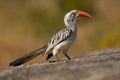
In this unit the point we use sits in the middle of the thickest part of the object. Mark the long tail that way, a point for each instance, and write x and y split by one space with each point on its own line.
28 56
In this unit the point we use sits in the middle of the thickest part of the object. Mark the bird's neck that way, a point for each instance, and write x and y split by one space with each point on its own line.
72 26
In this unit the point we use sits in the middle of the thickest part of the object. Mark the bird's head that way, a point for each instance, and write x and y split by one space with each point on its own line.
71 16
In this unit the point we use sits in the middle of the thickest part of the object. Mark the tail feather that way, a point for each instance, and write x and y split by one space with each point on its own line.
28 56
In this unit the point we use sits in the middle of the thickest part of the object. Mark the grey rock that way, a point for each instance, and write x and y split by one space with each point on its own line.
99 65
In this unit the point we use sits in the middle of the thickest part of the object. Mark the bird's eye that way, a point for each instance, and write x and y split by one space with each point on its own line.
73 14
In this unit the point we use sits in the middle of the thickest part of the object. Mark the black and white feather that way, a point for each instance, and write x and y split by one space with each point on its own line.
59 37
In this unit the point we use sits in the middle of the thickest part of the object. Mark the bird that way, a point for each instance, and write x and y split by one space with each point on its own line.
61 41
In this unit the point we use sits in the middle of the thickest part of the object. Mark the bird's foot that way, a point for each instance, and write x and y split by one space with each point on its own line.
52 61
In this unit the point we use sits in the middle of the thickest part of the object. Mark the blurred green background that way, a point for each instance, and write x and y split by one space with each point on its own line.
26 25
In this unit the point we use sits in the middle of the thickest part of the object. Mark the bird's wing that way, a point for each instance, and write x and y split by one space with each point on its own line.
57 38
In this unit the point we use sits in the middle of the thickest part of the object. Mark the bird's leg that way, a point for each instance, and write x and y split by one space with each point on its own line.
50 55
55 52
67 56
57 59
65 53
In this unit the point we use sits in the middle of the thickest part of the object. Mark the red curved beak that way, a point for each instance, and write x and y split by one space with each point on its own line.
82 13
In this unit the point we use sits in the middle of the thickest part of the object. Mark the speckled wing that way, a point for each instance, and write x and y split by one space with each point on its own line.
58 38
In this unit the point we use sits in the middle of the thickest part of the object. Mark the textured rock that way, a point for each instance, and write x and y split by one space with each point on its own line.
98 65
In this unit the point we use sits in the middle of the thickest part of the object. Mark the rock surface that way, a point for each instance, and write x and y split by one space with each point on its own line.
98 65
